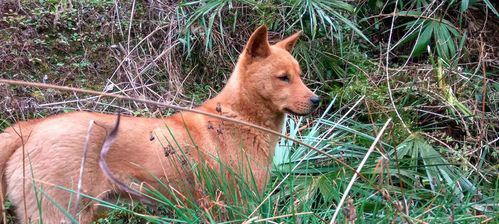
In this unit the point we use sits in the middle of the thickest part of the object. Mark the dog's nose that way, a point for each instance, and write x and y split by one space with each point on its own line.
315 100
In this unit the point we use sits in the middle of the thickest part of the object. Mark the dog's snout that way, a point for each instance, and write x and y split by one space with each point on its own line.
315 100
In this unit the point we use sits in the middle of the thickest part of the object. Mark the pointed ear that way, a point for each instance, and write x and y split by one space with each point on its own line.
289 42
258 44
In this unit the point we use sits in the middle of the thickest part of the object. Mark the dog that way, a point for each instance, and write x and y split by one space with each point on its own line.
40 157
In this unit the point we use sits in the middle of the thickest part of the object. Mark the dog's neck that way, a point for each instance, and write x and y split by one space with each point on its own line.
233 101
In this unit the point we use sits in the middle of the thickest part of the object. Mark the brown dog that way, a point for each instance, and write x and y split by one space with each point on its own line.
48 152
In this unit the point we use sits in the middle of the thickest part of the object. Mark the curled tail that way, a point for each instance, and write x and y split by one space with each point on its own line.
10 140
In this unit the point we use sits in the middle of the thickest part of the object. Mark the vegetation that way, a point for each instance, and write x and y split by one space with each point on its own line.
430 66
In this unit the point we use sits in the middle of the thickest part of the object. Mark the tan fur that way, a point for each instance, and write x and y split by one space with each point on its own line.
54 148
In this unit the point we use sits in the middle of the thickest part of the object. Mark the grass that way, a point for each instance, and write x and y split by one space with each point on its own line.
436 163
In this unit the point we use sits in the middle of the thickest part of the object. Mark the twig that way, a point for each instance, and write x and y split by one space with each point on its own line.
66 88
130 27
167 50
388 74
236 121
484 97
397 164
135 47
82 165
371 149
118 16
23 142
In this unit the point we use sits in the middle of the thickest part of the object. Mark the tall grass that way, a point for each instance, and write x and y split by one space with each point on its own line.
410 182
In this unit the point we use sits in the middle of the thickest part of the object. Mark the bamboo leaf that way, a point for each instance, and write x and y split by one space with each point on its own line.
464 5
424 40
491 7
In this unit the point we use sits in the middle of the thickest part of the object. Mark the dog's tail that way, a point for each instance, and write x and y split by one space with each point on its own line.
12 139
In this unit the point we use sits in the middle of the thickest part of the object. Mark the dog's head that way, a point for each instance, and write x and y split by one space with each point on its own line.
271 72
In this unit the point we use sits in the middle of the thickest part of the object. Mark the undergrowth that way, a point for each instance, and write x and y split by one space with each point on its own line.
431 66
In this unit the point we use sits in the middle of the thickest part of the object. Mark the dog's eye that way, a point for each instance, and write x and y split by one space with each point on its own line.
284 78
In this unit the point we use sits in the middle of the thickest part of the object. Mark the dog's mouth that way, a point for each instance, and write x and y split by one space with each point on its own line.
289 111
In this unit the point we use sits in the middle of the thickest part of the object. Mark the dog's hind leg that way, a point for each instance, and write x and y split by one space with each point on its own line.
46 183
54 202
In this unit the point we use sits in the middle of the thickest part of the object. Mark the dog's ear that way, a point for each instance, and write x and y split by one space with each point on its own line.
258 44
289 42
